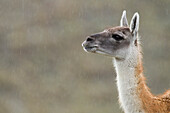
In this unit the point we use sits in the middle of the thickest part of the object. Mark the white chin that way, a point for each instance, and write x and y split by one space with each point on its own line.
100 52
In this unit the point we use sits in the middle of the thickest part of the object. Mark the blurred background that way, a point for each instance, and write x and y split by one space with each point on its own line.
43 68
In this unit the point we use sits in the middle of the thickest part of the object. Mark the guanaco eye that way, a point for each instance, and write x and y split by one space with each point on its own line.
117 37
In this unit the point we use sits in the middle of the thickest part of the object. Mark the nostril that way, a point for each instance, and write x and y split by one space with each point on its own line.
89 39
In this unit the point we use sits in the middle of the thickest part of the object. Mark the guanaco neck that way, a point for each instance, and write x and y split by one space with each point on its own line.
133 91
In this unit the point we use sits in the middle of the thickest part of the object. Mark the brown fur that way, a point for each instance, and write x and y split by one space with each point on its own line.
118 28
150 103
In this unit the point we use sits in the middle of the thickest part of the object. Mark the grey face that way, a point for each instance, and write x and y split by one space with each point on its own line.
113 42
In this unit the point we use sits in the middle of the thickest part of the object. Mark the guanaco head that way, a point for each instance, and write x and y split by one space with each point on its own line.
115 42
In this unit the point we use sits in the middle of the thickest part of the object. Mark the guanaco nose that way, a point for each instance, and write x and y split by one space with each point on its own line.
92 37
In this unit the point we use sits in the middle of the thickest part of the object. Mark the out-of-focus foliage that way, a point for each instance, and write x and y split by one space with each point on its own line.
43 68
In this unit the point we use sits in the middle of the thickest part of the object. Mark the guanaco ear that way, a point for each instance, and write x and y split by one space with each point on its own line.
134 24
123 20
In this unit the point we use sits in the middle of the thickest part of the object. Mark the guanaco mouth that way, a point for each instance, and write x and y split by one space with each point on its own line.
90 48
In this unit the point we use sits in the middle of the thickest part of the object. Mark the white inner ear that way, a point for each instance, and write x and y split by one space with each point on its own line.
134 24
123 21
